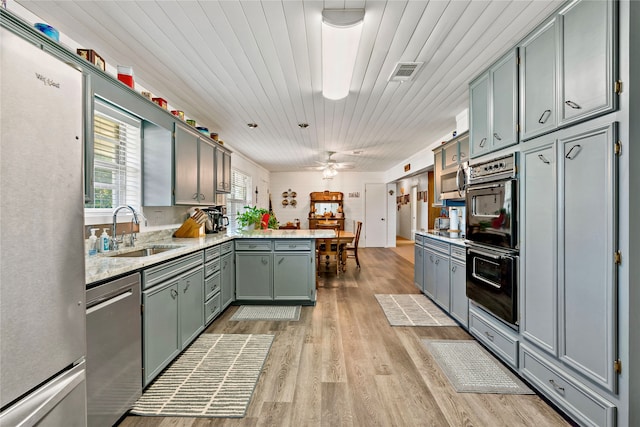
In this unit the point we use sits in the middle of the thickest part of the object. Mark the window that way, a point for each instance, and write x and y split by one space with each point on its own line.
240 195
116 159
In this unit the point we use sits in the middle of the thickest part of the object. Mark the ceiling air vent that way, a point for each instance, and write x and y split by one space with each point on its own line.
405 71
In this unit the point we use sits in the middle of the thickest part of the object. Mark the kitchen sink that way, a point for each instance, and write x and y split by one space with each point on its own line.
148 251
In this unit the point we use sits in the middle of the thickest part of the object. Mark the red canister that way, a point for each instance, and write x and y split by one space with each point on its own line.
125 75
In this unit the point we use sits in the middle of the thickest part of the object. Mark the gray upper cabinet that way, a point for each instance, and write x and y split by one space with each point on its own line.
437 171
504 101
494 106
538 64
186 167
587 59
195 169
479 112
206 173
223 170
568 68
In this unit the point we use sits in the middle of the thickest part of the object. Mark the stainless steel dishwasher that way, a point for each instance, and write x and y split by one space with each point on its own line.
114 349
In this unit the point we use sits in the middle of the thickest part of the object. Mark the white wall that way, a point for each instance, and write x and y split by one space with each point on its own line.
306 182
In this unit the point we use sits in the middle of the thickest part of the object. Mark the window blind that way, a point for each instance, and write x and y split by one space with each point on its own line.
117 158
240 195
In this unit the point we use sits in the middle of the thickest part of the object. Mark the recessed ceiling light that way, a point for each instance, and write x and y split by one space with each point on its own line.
252 125
357 152
303 125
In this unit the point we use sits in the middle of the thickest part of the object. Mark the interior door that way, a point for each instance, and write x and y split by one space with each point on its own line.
375 216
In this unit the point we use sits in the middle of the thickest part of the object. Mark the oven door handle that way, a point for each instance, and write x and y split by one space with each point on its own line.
472 187
487 254
488 282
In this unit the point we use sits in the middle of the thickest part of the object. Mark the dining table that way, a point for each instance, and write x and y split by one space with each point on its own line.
346 237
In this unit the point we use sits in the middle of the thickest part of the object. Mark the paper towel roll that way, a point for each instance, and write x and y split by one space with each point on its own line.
454 219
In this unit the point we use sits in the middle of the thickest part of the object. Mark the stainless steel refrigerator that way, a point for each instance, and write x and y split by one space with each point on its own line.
42 289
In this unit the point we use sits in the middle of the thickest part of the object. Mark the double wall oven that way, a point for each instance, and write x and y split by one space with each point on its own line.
492 237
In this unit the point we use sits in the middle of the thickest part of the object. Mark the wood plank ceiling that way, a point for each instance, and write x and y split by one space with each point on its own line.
229 63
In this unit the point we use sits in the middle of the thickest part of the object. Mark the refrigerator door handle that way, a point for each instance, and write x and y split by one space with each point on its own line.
34 407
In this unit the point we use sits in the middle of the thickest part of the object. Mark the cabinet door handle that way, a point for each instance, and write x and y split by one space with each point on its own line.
186 287
253 246
573 105
431 258
174 294
544 117
202 196
543 159
437 261
195 196
293 246
568 156
453 268
281 260
454 158
496 136
488 335
264 261
482 142
557 386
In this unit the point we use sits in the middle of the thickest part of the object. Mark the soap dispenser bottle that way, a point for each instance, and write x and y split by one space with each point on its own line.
104 241
93 242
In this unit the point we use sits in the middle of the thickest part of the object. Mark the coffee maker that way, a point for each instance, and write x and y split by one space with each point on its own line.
217 217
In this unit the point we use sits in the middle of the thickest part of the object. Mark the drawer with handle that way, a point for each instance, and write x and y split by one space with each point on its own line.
583 404
211 253
253 245
497 337
212 308
212 285
293 245
211 267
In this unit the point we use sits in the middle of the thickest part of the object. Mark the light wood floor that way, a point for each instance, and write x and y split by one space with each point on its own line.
343 365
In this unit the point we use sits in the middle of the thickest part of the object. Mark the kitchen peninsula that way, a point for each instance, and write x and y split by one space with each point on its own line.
107 266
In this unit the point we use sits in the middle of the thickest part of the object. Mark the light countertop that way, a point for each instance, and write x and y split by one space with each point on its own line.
105 266
451 238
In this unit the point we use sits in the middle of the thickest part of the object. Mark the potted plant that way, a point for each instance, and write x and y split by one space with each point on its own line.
252 217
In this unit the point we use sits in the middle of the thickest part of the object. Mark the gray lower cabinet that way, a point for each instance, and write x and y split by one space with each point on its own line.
566 391
275 270
212 284
291 273
568 276
495 335
436 271
539 249
173 311
440 273
418 271
459 304
254 275
227 274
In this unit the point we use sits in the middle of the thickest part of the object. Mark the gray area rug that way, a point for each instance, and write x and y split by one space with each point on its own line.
214 377
471 369
413 310
267 312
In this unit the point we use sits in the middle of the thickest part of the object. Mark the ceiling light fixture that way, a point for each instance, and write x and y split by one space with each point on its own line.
329 172
252 125
303 125
341 31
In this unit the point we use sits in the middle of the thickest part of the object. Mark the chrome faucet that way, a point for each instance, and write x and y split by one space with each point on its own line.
114 236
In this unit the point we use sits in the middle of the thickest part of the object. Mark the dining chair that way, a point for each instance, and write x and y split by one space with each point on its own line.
352 248
328 250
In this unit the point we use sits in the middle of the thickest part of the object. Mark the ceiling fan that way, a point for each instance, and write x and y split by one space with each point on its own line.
330 167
